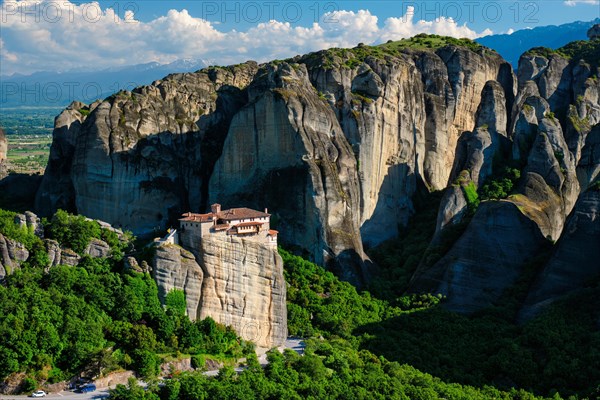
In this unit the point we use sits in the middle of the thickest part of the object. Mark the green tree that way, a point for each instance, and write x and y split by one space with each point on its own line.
175 302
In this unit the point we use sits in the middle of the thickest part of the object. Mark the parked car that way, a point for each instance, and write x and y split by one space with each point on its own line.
90 387
38 393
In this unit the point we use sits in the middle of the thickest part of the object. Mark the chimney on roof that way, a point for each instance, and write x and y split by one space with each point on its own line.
266 210
215 208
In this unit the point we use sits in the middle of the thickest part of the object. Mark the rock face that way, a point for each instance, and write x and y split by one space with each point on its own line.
176 268
550 135
31 221
404 127
97 248
308 162
237 282
575 261
244 287
470 275
335 143
588 169
137 159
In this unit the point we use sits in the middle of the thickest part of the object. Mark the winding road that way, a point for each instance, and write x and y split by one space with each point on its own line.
295 344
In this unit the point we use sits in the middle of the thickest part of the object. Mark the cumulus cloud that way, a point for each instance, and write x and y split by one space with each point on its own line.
572 3
60 35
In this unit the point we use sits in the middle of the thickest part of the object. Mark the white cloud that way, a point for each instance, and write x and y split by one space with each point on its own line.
397 28
59 35
573 3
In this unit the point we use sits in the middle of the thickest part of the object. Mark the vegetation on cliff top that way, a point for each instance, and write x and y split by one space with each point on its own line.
352 57
587 50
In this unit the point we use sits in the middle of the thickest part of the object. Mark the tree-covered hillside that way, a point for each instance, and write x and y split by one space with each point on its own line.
364 348
93 318
97 317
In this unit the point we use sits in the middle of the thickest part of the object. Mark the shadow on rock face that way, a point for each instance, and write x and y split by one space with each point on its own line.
17 191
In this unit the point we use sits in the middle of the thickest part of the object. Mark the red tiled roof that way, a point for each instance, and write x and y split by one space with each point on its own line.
191 217
221 227
227 215
256 223
273 232
241 213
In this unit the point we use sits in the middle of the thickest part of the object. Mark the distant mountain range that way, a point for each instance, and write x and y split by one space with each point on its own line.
51 88
512 46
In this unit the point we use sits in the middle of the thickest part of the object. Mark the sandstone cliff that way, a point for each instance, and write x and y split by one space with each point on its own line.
237 282
335 143
139 158
550 134
575 262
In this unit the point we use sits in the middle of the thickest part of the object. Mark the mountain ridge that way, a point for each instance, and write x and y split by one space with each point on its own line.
351 134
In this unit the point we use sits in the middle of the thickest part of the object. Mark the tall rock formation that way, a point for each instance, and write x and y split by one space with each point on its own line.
286 148
403 114
139 158
551 137
336 144
575 262
237 282
336 141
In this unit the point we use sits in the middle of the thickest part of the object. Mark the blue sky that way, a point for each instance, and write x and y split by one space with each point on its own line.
62 34
499 16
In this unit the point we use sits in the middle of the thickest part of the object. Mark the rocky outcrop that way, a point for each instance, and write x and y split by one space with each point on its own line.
349 133
54 252
308 162
244 287
137 159
575 262
237 282
132 264
588 169
12 254
453 208
489 257
176 268
549 175
30 221
97 248
69 257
